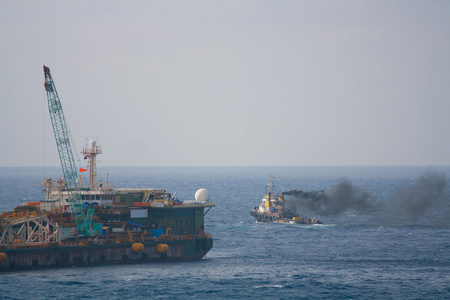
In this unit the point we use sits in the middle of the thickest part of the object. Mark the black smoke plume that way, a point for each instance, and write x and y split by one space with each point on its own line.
406 206
341 197
411 203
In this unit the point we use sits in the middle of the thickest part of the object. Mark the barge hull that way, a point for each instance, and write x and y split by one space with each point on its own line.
103 254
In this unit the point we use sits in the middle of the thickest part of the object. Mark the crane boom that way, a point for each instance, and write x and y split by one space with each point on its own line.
83 218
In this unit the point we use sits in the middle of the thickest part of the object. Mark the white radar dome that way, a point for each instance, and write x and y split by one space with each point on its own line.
93 143
202 195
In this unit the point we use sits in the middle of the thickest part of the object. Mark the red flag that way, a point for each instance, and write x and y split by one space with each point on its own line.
83 170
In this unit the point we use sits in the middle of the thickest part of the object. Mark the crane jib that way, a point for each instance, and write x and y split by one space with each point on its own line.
82 217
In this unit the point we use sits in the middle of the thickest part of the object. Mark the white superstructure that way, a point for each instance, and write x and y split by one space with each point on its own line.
57 195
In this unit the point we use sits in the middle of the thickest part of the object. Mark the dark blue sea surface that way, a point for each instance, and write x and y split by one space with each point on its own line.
353 256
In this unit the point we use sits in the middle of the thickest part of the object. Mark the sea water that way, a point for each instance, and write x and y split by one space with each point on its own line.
352 256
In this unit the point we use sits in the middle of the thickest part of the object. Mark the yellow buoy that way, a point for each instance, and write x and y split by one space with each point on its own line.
137 247
162 248
3 257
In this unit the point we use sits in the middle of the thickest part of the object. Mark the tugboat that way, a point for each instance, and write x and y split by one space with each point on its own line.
272 209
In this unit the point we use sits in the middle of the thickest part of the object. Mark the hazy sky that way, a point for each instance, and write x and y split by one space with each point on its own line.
192 83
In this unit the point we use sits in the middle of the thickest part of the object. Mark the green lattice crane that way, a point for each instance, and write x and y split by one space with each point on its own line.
82 217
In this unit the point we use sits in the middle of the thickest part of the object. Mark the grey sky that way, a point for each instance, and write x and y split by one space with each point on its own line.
229 82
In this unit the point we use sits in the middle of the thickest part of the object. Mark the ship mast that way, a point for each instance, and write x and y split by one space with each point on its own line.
91 153
270 186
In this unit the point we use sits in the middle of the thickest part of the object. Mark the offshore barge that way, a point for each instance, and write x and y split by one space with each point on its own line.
95 224
272 209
